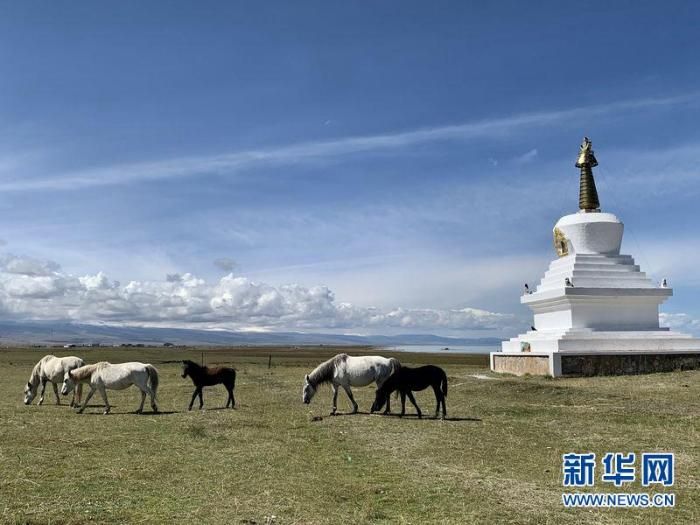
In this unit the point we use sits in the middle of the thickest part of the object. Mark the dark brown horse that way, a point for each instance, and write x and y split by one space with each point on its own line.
407 380
205 376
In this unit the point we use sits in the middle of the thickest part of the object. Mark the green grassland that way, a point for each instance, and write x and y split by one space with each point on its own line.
497 459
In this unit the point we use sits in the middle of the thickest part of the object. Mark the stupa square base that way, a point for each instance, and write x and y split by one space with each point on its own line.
587 364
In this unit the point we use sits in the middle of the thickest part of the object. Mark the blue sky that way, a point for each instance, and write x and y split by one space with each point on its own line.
349 166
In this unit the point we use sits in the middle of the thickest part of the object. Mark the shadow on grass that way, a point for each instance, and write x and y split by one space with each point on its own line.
206 409
405 416
159 413
415 416
129 413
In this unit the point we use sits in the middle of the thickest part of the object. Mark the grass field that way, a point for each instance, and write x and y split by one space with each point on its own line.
496 460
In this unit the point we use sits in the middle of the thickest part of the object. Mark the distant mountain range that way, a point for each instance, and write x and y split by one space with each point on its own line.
57 333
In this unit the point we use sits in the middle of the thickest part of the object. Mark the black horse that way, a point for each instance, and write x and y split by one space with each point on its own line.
205 376
408 380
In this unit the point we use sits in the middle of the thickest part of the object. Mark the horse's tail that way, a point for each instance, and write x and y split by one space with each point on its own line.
395 365
444 384
153 378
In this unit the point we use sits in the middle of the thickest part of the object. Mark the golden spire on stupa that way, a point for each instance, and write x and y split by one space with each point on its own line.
588 195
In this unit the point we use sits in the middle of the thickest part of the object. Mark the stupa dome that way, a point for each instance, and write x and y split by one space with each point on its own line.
590 233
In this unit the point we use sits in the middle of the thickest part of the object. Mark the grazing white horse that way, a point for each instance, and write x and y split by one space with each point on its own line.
51 369
102 376
346 371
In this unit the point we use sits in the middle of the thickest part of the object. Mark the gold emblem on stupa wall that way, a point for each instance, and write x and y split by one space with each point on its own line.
561 245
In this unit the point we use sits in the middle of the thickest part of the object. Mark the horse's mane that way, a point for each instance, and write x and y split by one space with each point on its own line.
395 364
323 373
85 372
192 364
35 376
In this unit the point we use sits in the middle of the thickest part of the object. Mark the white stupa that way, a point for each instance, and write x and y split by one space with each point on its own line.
595 312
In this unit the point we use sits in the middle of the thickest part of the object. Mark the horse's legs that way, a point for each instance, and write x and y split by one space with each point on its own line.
194 396
413 400
387 410
43 387
438 399
55 391
103 393
77 394
231 399
152 395
403 404
335 398
87 398
201 399
143 398
352 399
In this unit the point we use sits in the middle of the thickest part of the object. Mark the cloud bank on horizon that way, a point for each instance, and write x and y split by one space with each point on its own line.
39 290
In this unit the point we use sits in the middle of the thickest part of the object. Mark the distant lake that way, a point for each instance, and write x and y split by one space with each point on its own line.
443 349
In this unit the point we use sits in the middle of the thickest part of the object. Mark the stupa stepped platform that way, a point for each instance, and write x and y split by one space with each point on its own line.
587 340
594 271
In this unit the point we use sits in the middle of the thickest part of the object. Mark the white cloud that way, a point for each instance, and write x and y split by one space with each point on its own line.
33 289
312 151
680 321
26 265
98 282
527 157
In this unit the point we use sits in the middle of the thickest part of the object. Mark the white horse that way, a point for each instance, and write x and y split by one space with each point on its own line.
102 376
346 371
51 369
